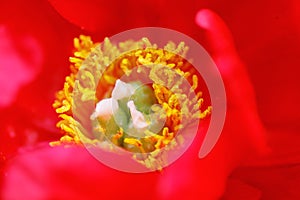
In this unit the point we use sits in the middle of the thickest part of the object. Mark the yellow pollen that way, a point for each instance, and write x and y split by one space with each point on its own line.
168 71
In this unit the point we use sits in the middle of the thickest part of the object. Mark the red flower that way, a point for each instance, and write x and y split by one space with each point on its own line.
51 173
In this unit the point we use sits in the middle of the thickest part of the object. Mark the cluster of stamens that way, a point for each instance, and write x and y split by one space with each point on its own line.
143 96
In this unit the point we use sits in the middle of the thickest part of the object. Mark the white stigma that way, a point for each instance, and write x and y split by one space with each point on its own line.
138 119
105 108
122 90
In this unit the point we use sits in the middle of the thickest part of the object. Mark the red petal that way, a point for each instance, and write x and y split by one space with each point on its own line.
71 173
37 43
90 14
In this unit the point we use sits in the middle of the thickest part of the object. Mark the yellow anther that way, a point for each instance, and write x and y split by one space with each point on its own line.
108 64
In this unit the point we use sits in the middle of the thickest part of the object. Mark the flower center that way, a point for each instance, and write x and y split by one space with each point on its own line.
128 112
143 97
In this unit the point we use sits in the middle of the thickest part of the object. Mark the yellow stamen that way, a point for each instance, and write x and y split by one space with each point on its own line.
166 68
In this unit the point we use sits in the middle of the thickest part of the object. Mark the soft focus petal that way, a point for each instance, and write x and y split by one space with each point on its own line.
237 189
267 38
106 16
243 135
71 173
15 69
268 42
243 124
276 177
90 14
35 45
274 182
111 17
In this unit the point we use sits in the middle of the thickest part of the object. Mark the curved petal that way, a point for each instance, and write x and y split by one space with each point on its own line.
35 45
242 123
71 173
243 134
107 16
111 17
